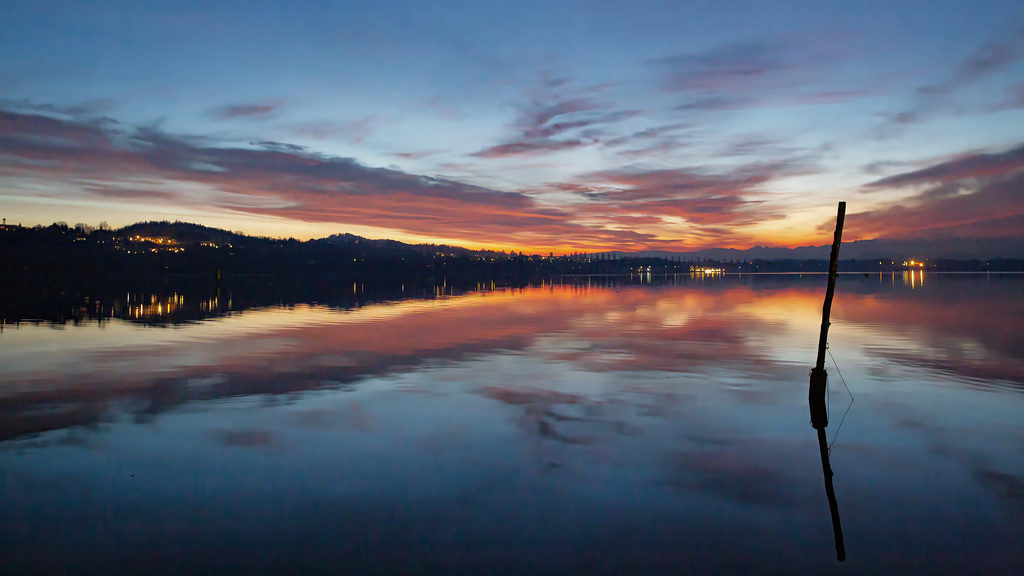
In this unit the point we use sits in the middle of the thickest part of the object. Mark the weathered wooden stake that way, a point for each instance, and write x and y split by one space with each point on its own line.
819 381
819 378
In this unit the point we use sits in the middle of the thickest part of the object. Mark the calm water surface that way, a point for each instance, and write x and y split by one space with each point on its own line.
548 430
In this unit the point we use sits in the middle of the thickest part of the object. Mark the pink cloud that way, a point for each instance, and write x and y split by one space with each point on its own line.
699 197
976 195
970 166
289 182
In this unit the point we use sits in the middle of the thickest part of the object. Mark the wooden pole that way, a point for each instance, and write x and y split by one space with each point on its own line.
819 378
833 267
819 381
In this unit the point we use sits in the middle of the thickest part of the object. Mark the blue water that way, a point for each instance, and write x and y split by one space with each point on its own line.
547 430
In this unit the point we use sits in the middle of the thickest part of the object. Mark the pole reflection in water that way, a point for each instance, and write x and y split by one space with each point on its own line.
819 383
819 421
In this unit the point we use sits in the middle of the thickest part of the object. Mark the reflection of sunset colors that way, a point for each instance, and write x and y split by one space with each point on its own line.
673 329
546 431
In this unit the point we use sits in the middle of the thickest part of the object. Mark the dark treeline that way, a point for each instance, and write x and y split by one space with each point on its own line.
59 272
157 248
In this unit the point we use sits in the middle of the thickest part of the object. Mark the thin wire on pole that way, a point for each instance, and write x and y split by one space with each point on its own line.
848 406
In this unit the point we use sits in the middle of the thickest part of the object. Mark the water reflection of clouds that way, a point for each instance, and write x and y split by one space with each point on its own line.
748 472
734 336
987 316
632 419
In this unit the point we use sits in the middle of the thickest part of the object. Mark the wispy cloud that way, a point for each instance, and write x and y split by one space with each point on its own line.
658 148
530 146
88 108
974 195
355 131
277 179
537 131
648 134
783 71
971 166
551 122
731 68
753 146
894 124
279 146
995 55
416 155
1013 101
135 193
253 110
702 205
780 99
698 196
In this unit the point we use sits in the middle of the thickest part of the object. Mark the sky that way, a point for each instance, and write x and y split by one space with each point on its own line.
538 126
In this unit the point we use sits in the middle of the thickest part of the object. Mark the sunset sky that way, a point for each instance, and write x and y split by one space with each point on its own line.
519 125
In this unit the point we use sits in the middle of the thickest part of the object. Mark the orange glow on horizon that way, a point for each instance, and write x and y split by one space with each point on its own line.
540 241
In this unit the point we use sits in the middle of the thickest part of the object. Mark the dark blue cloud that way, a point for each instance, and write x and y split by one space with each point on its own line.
252 110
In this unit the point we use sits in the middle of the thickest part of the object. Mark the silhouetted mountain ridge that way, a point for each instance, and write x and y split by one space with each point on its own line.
190 234
184 232
952 249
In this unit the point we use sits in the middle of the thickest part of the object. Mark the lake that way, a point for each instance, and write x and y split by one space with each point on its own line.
599 426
